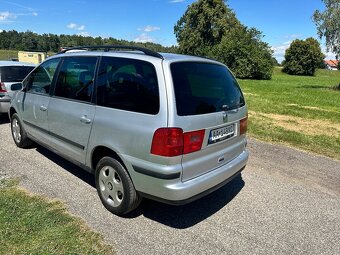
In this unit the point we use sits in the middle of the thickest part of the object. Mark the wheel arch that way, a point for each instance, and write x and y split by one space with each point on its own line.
102 151
11 112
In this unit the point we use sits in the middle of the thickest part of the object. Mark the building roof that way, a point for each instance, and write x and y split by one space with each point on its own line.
332 62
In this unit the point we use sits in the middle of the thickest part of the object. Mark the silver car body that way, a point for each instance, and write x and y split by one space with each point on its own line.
78 130
5 96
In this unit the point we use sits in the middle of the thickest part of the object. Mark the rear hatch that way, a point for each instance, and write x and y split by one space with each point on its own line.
10 75
209 101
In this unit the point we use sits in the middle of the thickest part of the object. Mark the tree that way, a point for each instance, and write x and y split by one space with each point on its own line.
275 62
303 57
203 25
245 54
328 25
210 28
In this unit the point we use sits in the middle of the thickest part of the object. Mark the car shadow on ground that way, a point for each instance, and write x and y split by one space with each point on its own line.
179 217
188 215
68 166
4 119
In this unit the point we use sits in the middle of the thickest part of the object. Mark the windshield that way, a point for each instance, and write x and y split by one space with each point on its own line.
204 88
14 73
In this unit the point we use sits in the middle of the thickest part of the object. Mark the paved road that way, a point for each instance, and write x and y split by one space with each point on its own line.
285 202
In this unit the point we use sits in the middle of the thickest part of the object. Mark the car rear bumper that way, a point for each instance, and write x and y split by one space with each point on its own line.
4 104
174 191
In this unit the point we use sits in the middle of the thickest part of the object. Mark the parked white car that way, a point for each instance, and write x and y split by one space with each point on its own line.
11 72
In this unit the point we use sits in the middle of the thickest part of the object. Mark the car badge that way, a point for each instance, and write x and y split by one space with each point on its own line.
225 117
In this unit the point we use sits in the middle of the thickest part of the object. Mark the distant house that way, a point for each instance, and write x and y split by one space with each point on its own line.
331 64
31 57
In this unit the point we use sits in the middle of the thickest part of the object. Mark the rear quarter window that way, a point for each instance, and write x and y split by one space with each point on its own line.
14 73
202 88
128 84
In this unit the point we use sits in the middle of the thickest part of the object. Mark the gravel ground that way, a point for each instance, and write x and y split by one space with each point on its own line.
285 202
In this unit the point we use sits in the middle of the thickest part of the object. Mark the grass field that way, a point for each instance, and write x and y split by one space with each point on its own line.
32 225
300 111
8 54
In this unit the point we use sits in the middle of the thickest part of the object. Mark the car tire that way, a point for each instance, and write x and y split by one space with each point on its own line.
18 133
115 187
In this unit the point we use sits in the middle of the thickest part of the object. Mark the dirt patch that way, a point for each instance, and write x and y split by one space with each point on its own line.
301 125
312 108
250 94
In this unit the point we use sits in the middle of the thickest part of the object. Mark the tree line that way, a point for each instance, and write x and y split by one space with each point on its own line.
29 41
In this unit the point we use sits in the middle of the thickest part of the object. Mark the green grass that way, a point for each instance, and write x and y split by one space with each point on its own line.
32 225
300 111
8 54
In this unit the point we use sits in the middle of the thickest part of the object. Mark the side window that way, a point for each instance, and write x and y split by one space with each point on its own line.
40 79
128 84
75 78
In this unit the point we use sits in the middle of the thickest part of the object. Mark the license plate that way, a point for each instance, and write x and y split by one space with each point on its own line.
221 134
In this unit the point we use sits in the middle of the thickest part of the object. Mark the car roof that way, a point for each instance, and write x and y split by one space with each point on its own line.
167 57
15 63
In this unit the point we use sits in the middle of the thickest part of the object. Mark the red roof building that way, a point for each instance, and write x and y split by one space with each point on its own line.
331 64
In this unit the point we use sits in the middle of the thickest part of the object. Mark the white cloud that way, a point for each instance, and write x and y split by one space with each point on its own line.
34 14
1 30
149 28
75 26
287 43
7 16
329 55
280 50
82 27
143 38
84 34
293 36
71 26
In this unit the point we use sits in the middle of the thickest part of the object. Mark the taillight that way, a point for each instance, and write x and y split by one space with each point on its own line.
171 142
2 87
193 141
243 125
167 142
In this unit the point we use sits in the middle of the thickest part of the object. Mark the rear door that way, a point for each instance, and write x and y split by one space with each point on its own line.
208 98
71 111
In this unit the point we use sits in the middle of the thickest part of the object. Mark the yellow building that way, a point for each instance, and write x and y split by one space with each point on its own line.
31 57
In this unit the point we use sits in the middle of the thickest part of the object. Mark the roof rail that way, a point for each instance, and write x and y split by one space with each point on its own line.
107 48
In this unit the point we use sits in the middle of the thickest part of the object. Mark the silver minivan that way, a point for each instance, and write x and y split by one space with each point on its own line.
163 126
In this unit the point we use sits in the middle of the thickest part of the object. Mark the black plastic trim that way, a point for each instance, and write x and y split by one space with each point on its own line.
79 146
107 48
155 174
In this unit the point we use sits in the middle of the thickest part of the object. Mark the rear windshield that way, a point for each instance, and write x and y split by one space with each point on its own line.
204 88
14 73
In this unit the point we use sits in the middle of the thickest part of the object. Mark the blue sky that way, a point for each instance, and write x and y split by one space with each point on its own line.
281 21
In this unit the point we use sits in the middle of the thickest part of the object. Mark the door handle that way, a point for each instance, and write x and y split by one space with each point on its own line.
85 120
43 108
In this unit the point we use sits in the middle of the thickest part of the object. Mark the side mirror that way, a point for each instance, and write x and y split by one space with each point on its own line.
16 86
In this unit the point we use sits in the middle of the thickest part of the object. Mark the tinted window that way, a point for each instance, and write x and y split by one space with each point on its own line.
40 79
128 84
14 73
204 88
75 78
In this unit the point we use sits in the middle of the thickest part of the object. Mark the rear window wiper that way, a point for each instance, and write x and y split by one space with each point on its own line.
227 107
